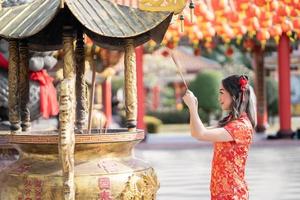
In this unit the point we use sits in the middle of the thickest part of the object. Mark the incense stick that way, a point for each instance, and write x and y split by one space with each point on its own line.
180 72
92 98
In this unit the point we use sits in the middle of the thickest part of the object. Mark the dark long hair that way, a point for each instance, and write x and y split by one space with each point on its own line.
243 99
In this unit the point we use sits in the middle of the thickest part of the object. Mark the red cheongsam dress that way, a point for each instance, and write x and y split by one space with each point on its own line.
229 160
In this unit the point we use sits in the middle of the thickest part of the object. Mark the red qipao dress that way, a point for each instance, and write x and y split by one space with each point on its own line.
229 160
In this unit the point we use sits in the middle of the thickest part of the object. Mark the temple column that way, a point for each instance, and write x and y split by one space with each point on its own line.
284 87
66 116
13 86
24 86
155 97
130 86
178 100
140 87
106 100
260 89
81 86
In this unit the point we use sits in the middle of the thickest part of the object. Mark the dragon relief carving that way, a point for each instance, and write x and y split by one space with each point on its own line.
142 186
175 6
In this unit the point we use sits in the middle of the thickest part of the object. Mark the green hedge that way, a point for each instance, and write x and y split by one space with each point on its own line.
152 124
171 117
177 117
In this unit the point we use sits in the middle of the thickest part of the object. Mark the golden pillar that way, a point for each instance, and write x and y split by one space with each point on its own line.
24 86
13 86
66 117
81 87
130 86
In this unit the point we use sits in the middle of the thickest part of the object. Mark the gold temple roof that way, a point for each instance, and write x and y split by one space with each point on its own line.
106 22
27 19
109 19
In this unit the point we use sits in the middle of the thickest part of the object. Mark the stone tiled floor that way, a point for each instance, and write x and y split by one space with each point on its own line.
183 167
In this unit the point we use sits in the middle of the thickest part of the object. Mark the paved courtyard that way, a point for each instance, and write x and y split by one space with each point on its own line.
183 167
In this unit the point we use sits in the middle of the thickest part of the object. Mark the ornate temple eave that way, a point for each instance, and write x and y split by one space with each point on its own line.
28 19
108 19
113 43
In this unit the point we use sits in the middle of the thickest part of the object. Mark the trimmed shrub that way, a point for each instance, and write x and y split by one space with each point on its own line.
172 116
272 96
152 124
206 88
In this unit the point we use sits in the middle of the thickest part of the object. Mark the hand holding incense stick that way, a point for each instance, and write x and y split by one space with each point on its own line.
180 72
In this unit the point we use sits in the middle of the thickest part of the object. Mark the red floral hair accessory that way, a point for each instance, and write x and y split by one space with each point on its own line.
243 81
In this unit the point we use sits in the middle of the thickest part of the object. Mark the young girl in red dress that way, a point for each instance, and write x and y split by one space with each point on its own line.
231 138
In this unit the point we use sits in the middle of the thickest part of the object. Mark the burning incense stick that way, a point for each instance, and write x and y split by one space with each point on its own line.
180 72
92 100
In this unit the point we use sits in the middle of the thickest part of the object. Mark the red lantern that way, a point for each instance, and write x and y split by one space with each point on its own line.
286 26
283 10
229 52
187 22
252 11
240 30
197 52
277 19
233 17
294 13
275 30
260 3
265 19
218 4
263 35
170 44
274 5
248 44
165 53
296 23
209 16
242 5
228 31
200 9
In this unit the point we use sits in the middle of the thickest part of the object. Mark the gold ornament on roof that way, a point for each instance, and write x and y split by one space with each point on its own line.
175 6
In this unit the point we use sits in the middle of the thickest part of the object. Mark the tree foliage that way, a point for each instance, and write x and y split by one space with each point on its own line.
206 89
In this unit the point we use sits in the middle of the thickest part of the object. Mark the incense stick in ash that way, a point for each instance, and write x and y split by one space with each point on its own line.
180 72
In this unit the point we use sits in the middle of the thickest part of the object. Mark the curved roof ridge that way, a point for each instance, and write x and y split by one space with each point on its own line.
109 19
27 19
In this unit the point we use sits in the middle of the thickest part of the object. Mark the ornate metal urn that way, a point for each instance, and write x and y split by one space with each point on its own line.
72 162
104 168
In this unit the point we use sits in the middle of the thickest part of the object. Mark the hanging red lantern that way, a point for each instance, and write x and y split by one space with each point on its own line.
262 34
242 5
233 17
218 4
283 10
229 52
275 30
228 31
240 30
209 16
277 19
296 24
260 3
170 44
252 11
165 53
265 19
286 26
197 51
187 22
200 9
248 44
294 12
274 5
